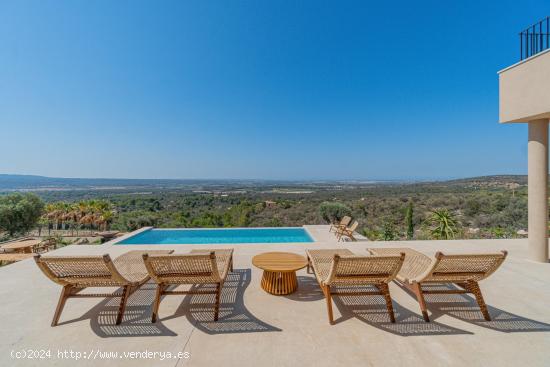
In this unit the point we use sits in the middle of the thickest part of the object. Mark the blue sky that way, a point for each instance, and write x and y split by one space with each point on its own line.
258 89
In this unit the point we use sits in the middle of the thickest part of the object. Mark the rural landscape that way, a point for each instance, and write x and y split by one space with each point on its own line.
275 183
482 207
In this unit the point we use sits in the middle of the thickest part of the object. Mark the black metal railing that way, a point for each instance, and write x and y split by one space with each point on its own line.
535 39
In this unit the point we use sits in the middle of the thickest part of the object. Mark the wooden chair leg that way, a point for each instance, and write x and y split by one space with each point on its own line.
122 305
385 289
217 306
473 287
328 297
65 292
417 289
156 303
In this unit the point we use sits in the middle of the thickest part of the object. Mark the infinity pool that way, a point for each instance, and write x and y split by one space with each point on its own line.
217 236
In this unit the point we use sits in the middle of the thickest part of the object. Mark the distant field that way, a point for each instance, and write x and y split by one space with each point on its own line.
41 183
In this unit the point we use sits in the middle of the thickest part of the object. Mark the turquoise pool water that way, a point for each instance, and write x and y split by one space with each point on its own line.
217 236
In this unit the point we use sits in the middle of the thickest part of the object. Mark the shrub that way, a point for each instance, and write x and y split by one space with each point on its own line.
388 231
333 212
208 220
19 213
135 220
443 225
371 234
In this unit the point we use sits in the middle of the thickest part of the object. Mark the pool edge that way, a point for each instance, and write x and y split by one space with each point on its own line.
117 241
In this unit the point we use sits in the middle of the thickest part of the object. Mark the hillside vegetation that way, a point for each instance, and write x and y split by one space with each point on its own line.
484 207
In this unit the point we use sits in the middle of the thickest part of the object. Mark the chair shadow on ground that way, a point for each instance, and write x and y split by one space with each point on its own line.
465 308
198 309
234 316
308 290
136 320
372 310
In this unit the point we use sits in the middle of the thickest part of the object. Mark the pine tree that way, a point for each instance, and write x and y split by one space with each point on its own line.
409 221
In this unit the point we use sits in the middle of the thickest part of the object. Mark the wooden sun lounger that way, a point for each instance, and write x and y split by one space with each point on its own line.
195 268
464 271
76 273
343 224
347 231
340 267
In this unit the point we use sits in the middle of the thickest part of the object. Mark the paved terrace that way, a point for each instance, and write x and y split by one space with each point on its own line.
258 329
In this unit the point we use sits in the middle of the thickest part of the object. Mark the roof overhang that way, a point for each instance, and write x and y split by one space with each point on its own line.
524 90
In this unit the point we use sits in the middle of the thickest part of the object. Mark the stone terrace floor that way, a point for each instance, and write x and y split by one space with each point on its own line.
258 329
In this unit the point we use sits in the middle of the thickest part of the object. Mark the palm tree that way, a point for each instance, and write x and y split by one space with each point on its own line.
55 213
65 214
443 224
106 214
82 208
48 215
70 216
88 219
95 213
104 219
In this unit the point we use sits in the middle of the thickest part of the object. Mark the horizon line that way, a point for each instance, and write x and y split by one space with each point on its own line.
394 179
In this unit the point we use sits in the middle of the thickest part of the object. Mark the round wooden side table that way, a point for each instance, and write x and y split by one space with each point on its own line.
279 268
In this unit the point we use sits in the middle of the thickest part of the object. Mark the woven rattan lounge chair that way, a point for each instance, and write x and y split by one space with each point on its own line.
345 231
464 271
195 268
342 224
76 273
340 267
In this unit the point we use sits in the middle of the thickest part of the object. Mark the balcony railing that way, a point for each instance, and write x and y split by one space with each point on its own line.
535 39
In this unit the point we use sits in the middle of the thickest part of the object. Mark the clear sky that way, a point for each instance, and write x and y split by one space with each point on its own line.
259 89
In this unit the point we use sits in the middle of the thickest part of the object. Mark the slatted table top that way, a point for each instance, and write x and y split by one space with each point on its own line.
279 261
10 257
21 244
